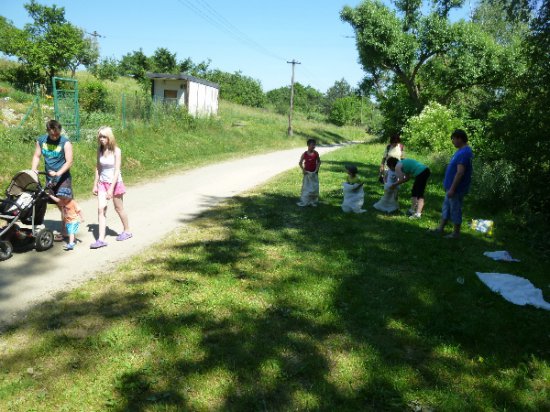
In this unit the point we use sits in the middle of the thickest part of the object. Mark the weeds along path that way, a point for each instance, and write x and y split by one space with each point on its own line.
154 209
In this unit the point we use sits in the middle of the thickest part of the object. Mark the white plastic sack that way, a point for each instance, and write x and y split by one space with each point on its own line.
310 190
388 203
354 197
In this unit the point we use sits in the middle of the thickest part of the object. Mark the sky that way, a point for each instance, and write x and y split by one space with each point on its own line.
256 37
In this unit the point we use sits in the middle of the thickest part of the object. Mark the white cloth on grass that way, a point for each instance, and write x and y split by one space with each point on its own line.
354 196
501 255
515 289
310 189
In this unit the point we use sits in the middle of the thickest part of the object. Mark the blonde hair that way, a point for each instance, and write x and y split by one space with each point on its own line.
111 141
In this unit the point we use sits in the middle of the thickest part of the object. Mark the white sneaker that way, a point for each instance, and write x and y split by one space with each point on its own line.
415 216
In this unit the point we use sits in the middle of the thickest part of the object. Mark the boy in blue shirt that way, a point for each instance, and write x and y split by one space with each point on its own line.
456 183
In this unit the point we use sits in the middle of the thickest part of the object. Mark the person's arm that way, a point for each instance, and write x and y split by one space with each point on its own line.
36 157
80 214
68 161
317 163
460 169
96 178
301 163
401 178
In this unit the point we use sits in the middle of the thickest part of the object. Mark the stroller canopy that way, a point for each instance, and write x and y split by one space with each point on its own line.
23 181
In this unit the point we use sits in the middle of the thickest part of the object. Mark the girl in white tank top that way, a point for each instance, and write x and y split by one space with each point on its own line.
108 185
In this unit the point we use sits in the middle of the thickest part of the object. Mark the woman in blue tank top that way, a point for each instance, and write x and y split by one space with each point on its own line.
57 151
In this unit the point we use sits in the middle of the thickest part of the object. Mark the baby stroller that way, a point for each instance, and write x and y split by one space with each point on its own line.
26 202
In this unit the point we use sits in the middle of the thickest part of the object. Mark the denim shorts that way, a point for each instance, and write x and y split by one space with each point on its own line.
452 208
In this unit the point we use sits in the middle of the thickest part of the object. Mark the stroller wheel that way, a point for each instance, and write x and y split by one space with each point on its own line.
44 240
6 250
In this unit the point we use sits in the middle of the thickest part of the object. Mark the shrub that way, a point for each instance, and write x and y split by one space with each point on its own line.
107 69
346 110
494 183
431 129
94 97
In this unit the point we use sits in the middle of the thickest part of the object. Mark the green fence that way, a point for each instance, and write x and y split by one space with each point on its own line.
65 98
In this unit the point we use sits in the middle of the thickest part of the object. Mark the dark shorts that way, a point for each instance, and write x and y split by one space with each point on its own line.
61 188
420 182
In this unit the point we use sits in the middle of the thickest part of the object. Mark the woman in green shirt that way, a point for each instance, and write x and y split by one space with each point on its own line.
405 170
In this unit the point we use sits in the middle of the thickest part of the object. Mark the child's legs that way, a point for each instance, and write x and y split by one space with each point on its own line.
101 214
118 201
63 225
72 229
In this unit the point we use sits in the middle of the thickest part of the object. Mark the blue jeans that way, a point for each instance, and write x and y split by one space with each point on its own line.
452 208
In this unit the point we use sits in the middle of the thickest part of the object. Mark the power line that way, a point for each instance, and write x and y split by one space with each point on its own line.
204 10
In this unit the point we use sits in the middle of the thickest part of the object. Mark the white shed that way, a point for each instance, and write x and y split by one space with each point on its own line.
199 96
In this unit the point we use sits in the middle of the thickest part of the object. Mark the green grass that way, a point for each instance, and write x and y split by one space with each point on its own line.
261 305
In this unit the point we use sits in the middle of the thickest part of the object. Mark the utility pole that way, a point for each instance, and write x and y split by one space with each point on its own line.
293 62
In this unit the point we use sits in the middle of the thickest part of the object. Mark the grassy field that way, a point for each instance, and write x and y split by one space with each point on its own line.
261 305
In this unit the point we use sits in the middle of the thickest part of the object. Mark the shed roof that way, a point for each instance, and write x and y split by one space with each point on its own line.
182 76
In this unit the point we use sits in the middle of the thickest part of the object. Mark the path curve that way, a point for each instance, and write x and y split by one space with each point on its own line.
154 210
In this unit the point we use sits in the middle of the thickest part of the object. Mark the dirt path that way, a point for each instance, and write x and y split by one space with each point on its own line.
154 210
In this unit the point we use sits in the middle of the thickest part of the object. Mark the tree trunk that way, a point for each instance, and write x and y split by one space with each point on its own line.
412 88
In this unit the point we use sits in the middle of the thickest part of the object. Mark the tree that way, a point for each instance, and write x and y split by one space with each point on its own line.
106 69
48 45
345 110
185 65
393 48
338 90
163 61
307 99
134 64
238 88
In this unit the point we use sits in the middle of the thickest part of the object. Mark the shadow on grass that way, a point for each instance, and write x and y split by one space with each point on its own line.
322 136
372 288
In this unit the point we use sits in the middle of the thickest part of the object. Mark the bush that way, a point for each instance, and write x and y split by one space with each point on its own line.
346 110
494 184
107 69
94 97
238 88
26 134
430 130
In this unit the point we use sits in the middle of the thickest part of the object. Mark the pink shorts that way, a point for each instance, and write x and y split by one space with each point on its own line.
120 189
